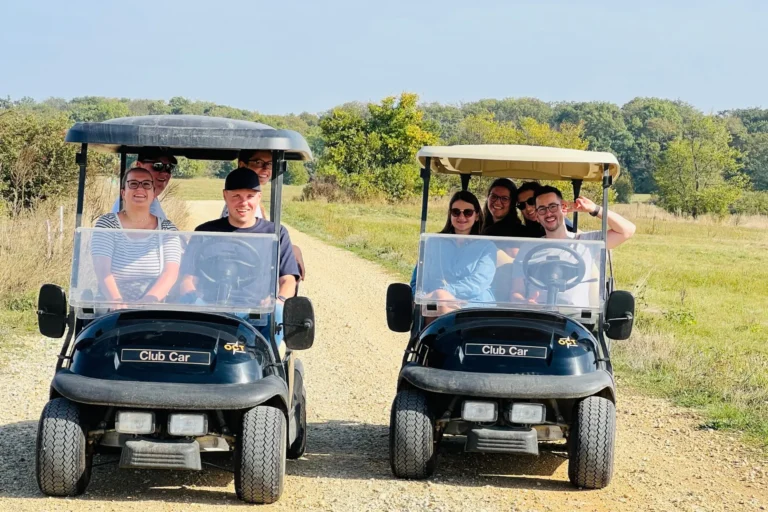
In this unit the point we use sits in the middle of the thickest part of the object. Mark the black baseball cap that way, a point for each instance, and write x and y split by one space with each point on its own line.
155 154
241 178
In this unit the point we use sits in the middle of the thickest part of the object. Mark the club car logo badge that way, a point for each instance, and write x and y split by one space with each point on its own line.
236 347
139 355
487 349
568 342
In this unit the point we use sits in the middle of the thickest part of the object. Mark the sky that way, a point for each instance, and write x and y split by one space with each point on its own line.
291 56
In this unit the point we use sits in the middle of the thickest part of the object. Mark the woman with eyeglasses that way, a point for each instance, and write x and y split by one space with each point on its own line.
161 166
500 217
464 269
133 267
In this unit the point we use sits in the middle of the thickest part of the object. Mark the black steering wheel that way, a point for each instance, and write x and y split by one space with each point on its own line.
232 267
552 273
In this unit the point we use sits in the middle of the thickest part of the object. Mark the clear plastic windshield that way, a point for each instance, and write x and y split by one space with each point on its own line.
458 271
188 271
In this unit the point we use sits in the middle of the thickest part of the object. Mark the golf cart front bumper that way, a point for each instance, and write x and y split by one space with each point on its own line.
168 395
496 385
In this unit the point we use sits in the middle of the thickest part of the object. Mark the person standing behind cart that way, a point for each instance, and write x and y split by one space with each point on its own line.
464 269
133 267
161 166
242 194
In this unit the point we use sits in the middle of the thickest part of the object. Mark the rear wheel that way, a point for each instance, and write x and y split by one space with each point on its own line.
63 467
591 444
260 455
412 447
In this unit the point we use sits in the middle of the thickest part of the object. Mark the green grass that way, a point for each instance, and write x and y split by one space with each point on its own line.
701 335
209 189
641 198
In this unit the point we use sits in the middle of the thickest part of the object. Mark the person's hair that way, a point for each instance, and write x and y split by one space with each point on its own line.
511 216
468 197
548 189
154 155
134 169
532 186
246 154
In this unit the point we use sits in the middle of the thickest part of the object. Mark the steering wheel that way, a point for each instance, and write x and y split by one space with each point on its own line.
229 266
552 273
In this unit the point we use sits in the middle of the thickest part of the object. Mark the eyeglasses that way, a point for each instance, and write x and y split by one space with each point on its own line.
161 167
455 212
493 198
258 163
135 184
531 201
553 207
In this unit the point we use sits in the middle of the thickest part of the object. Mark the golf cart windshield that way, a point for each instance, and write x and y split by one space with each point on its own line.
188 271
459 271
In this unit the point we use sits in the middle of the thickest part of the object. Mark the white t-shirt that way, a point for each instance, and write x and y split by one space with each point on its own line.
154 208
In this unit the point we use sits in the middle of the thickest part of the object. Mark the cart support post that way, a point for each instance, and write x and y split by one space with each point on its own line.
82 161
604 227
576 194
465 181
123 162
425 176
275 205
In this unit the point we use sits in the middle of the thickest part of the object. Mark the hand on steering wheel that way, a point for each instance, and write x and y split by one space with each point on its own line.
226 266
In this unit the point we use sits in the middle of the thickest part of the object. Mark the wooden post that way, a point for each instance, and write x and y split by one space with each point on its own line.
49 252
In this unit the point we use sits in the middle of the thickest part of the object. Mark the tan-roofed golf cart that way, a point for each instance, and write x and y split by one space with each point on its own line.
508 374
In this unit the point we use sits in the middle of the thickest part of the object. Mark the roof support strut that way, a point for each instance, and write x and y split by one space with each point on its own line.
425 176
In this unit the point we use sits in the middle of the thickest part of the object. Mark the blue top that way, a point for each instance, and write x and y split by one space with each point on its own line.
465 270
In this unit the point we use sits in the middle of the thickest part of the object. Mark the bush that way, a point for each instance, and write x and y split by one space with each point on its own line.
751 203
296 174
624 188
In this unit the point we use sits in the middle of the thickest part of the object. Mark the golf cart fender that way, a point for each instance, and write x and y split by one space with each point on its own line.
170 395
495 385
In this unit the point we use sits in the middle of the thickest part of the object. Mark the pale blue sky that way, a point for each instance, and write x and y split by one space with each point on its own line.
292 56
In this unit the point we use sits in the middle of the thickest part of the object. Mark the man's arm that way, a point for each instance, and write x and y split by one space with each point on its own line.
287 286
620 230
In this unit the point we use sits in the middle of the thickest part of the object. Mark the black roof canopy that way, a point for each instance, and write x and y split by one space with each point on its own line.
199 137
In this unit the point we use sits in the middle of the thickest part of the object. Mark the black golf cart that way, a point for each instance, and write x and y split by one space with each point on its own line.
164 383
526 358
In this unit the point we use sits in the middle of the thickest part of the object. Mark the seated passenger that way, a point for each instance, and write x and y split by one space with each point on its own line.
526 203
462 270
132 267
260 162
242 194
161 166
499 218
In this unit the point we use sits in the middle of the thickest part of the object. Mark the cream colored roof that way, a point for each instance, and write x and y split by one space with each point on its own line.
522 162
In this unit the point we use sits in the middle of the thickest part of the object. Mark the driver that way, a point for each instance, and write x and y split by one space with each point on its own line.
242 194
551 211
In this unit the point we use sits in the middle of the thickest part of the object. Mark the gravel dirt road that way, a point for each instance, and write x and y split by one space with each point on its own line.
664 460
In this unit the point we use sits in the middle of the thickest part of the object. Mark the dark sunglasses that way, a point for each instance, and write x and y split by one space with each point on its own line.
531 201
161 167
135 184
455 212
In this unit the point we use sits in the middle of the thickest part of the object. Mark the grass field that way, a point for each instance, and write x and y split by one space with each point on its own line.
701 335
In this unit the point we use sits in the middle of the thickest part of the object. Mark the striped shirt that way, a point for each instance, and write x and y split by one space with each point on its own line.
135 262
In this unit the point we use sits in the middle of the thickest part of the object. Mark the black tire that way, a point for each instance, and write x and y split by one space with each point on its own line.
299 445
591 443
412 447
63 468
260 455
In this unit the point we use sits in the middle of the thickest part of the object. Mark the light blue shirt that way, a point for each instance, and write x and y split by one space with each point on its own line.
154 208
465 270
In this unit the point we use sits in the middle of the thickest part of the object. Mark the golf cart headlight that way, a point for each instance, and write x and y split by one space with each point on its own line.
528 414
135 422
187 424
478 411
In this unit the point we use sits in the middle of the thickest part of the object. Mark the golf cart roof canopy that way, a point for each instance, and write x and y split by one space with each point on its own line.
522 162
198 137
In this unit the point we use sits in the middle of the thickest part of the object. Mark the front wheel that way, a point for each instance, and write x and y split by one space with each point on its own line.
591 444
412 447
260 455
63 467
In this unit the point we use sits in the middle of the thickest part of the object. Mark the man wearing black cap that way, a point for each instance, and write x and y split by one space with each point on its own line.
160 165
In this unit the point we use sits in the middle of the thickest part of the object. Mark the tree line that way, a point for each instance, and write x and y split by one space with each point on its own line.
691 161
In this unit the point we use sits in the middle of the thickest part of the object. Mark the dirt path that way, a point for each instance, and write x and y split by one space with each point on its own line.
664 461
